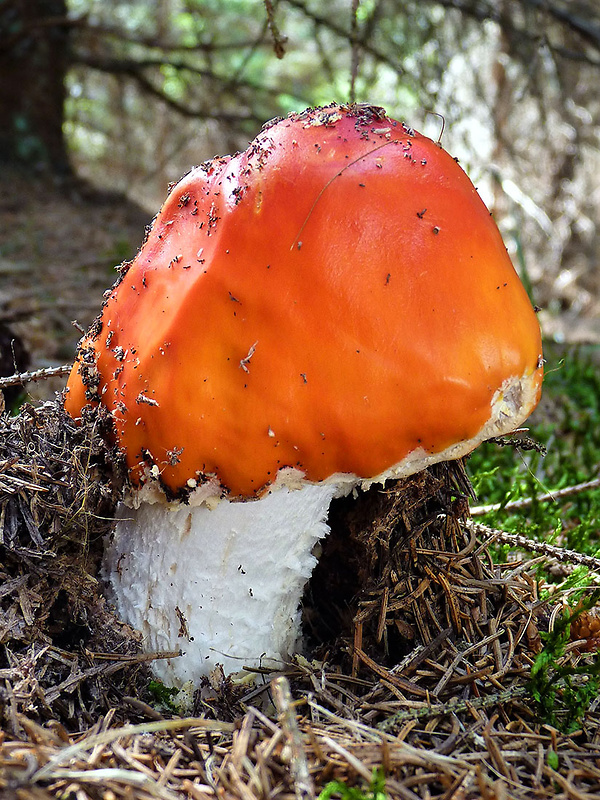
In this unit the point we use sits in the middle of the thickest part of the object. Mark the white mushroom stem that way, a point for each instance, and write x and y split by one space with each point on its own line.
221 582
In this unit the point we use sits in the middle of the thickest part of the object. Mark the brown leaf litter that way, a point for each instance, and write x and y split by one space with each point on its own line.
420 648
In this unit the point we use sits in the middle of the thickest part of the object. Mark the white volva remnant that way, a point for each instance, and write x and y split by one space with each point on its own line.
221 582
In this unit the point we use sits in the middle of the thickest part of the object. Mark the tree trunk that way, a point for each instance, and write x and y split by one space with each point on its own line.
34 57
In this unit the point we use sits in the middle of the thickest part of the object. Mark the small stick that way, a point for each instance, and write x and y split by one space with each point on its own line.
524 502
533 546
282 697
451 707
34 375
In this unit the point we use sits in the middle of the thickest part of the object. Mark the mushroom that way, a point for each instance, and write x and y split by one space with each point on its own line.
331 308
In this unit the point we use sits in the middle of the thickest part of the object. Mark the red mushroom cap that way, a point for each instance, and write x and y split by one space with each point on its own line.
332 299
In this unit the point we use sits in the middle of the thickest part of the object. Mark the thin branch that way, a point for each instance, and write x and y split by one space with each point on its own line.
355 54
98 30
236 77
18 379
172 47
525 502
581 24
286 712
279 39
328 23
578 24
132 66
134 69
561 554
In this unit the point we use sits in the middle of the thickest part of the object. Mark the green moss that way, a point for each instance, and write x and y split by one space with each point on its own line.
568 425
374 791
563 693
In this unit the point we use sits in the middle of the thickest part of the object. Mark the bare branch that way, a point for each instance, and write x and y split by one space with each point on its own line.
581 23
525 502
134 69
348 36
35 375
156 43
561 554
278 39
355 54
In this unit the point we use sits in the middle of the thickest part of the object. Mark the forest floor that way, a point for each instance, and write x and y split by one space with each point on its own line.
494 697
59 247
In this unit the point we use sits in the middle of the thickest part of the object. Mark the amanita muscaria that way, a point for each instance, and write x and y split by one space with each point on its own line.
332 307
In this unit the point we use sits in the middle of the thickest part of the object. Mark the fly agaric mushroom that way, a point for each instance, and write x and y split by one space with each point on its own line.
331 308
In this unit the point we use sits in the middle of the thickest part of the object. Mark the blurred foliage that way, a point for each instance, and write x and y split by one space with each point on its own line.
217 63
154 88
233 64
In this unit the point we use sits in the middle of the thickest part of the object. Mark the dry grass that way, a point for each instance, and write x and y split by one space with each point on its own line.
421 669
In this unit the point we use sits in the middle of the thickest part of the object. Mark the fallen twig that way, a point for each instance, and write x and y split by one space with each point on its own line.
561 554
299 769
525 502
453 706
35 375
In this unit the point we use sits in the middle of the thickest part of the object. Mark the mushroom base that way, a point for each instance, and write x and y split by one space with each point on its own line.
221 583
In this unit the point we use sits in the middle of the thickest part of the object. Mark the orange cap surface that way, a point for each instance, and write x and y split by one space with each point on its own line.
332 299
